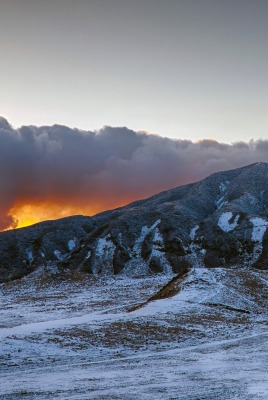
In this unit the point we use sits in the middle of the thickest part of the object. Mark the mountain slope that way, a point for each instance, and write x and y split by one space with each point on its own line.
76 339
220 221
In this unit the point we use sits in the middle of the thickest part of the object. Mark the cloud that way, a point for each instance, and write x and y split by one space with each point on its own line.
85 170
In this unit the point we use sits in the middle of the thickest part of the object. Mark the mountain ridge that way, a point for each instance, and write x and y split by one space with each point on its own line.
219 221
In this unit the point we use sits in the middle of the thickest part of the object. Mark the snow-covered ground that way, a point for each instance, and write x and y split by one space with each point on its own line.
75 338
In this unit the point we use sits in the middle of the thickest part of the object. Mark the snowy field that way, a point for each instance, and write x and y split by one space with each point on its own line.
75 338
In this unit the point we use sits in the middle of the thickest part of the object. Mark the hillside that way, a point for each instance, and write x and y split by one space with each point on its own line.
220 221
164 298
83 337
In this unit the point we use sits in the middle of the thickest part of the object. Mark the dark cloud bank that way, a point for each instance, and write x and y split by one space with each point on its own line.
105 168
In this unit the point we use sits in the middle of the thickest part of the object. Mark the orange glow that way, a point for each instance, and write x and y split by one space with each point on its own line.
29 214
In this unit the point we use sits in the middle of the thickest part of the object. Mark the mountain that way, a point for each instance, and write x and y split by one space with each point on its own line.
76 324
220 221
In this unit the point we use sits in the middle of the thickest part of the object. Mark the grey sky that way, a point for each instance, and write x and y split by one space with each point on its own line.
185 69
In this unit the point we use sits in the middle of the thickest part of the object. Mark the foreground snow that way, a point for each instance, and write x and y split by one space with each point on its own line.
76 339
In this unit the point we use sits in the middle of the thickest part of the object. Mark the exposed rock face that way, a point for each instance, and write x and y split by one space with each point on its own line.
220 221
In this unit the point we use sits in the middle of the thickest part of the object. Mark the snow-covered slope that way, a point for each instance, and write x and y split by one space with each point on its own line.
76 338
220 221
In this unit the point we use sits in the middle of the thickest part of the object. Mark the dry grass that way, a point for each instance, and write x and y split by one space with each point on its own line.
128 334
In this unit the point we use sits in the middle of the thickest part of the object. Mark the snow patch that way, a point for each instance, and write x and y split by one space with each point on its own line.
104 255
197 255
224 224
223 188
158 237
88 255
259 228
220 202
258 231
136 252
103 245
157 251
71 244
58 255
29 255
137 266
193 231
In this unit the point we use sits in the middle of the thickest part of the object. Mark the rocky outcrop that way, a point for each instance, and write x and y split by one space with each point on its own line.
220 221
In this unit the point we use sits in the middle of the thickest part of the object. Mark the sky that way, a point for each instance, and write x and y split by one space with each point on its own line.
107 101
54 171
190 69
